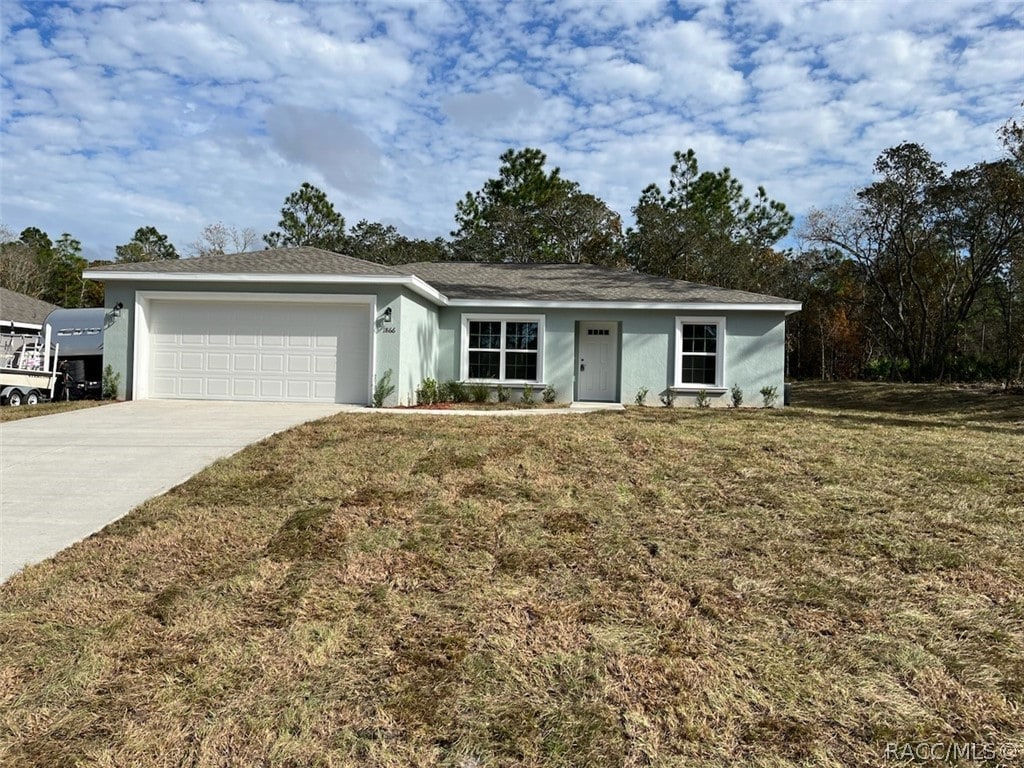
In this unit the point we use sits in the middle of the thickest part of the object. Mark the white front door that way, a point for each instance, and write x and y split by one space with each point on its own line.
599 361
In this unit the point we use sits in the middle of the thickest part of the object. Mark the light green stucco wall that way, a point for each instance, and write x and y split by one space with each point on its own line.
754 352
417 330
423 341
117 338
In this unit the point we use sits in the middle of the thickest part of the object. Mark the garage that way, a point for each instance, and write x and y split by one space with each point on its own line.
276 347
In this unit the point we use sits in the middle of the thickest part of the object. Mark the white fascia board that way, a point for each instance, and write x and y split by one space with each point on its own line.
788 308
413 283
425 290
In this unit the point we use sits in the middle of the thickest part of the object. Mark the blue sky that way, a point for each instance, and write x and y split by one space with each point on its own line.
179 114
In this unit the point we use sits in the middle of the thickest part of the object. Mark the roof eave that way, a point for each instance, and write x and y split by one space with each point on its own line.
413 283
689 306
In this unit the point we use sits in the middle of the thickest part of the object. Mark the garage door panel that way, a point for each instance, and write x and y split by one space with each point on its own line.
218 361
272 389
299 364
279 350
190 386
163 386
244 363
166 359
272 363
218 387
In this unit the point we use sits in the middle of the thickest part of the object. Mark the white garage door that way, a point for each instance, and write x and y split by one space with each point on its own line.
213 350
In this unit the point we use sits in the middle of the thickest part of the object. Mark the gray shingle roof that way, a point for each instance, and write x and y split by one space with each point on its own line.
571 282
302 260
466 280
23 309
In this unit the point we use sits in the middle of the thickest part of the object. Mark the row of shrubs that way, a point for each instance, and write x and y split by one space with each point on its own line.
769 396
432 392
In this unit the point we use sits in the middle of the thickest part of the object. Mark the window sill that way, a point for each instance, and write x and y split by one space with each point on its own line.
694 388
503 383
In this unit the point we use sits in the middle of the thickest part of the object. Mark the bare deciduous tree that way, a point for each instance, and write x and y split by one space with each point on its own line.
218 238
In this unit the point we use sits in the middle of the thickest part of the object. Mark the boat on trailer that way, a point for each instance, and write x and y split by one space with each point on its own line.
28 368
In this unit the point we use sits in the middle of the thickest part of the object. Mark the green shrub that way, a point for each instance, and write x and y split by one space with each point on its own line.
549 394
702 400
668 398
737 396
428 392
479 393
528 394
455 392
111 381
383 389
641 396
770 395
504 394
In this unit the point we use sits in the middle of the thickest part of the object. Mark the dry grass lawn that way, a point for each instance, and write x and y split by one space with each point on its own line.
656 587
45 409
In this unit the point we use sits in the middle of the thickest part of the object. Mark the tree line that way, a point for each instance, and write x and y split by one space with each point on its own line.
920 276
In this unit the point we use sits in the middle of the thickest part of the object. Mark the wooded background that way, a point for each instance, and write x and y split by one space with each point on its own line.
919 277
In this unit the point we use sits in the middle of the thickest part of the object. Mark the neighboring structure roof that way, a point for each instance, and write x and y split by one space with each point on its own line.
572 283
302 260
20 308
455 282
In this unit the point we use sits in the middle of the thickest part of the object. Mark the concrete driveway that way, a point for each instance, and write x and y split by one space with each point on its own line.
65 476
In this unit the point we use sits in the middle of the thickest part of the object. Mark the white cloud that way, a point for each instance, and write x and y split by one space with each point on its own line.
180 114
324 143
498 107
992 59
696 62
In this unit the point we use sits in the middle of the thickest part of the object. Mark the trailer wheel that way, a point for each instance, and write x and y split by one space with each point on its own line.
32 398
14 398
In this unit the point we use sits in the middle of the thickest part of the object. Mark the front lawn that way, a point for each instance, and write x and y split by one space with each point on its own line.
651 587
7 413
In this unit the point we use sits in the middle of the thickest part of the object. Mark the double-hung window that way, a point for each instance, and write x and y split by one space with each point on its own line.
502 348
700 352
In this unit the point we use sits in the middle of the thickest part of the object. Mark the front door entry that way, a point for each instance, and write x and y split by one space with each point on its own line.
598 363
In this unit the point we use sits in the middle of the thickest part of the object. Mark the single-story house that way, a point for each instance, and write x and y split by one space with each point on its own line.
22 314
310 325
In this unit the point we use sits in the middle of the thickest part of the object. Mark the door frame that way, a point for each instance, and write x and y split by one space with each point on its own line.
614 334
143 300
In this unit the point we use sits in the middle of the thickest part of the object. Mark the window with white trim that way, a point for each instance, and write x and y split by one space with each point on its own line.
502 348
700 352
